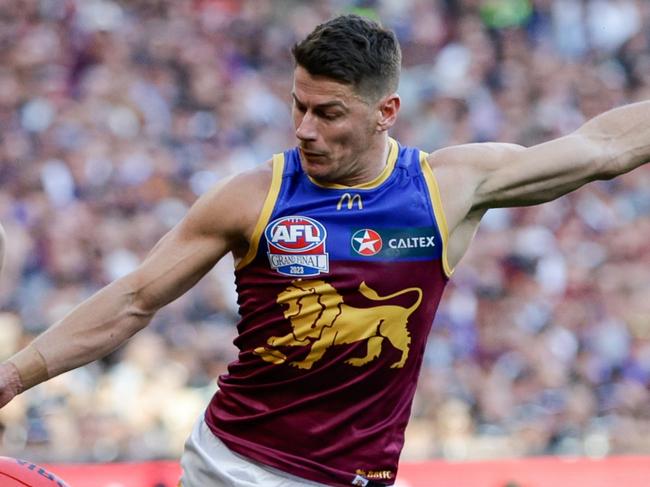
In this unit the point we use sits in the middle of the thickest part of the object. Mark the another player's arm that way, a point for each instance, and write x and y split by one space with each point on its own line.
476 177
217 223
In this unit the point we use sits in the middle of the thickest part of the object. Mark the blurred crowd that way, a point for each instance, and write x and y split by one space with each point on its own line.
116 115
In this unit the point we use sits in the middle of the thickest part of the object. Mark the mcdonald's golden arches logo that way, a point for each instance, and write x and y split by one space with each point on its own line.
350 199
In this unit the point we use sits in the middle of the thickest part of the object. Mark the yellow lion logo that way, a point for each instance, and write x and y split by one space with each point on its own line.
320 318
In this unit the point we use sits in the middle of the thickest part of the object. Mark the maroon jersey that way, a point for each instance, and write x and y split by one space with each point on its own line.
337 295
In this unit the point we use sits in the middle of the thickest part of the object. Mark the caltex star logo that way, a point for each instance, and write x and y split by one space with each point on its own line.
366 242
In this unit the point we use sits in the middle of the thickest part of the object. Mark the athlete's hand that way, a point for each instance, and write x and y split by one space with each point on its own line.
10 383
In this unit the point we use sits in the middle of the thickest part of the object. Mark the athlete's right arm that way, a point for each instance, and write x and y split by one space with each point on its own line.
220 221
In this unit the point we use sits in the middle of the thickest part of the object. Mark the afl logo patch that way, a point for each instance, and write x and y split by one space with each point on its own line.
296 246
366 242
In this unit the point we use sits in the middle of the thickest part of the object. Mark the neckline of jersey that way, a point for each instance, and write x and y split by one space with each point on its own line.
383 176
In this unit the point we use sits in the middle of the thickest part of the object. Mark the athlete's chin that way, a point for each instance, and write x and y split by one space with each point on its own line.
318 168
320 172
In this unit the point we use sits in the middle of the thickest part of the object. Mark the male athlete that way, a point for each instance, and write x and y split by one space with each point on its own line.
343 246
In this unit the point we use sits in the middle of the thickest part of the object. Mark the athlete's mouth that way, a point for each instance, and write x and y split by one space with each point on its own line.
314 160
312 154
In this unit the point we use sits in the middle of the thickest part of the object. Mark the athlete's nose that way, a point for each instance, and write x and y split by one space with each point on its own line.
306 128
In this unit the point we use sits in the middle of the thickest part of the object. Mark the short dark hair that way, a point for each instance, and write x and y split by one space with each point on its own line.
354 50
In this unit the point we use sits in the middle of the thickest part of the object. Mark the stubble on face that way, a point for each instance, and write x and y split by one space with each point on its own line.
332 150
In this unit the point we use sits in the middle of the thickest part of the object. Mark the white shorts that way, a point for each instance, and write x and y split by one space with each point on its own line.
207 462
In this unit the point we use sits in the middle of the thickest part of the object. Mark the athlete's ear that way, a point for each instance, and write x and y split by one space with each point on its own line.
388 108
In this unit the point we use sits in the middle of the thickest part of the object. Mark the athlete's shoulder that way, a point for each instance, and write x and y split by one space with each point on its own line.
483 154
244 185
253 182
234 203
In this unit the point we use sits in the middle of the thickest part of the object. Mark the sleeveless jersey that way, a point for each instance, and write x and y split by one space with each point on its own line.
337 295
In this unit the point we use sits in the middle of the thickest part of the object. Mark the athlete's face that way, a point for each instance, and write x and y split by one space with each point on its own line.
339 130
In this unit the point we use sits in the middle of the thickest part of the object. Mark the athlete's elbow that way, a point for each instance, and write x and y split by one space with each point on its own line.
604 157
139 308
621 163
139 316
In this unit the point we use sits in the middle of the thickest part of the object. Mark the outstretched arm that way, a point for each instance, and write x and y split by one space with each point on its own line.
476 177
218 222
609 145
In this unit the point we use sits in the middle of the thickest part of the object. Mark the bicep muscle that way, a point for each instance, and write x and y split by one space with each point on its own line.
541 173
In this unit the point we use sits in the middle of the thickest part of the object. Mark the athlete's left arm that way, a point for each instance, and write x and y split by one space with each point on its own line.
473 178
506 175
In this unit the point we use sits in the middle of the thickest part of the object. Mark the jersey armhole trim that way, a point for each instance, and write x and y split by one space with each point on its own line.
267 210
439 213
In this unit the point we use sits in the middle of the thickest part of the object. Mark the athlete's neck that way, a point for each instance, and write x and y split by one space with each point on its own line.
368 166
377 161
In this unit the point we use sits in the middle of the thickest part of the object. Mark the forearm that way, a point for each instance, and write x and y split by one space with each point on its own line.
105 321
92 330
623 134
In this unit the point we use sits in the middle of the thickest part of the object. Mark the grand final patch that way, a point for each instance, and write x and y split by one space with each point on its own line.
296 246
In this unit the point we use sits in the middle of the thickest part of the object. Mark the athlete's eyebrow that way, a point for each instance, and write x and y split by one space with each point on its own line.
321 106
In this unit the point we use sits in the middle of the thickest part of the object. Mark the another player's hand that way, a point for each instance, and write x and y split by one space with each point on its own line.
10 383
